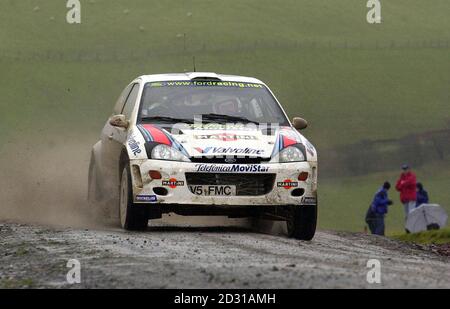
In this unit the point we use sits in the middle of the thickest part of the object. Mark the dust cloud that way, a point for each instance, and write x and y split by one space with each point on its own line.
44 181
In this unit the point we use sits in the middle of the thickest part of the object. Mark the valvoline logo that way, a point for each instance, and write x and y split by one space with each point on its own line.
230 150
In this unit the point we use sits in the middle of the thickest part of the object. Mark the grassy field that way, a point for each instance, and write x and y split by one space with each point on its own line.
351 80
429 237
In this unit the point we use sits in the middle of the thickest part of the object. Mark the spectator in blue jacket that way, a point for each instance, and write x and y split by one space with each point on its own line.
378 210
422 195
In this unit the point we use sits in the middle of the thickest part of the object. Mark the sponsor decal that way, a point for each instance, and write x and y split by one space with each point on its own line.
172 183
310 148
235 168
227 137
309 200
146 198
287 184
206 84
219 126
134 145
230 150
230 160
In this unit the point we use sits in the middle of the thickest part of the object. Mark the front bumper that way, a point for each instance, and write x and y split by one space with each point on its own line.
177 186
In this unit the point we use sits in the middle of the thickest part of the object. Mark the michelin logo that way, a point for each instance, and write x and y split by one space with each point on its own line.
146 198
235 168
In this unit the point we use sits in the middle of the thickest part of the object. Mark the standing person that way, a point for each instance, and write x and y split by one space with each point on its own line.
378 210
422 195
406 185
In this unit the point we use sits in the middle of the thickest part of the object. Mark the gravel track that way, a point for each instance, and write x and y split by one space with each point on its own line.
209 257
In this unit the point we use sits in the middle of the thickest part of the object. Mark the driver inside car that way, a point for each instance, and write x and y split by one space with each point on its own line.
230 107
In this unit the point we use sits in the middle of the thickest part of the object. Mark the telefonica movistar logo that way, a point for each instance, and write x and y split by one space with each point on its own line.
230 150
235 168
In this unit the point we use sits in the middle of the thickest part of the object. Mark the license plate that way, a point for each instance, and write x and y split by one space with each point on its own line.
213 190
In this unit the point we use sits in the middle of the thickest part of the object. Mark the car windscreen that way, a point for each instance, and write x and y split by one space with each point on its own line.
218 101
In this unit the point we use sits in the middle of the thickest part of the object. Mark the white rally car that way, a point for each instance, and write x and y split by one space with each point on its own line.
204 144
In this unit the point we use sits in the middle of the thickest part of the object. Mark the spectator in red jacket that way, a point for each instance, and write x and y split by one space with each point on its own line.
406 185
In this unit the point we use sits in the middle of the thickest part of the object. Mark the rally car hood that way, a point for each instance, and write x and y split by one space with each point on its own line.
212 142
230 142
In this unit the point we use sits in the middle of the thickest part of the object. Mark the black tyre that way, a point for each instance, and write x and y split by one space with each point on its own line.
302 222
132 217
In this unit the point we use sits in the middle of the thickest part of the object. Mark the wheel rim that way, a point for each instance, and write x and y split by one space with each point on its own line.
123 198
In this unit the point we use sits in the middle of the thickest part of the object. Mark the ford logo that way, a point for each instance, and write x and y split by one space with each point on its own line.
230 160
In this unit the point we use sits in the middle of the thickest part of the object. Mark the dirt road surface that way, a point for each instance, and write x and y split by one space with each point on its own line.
209 257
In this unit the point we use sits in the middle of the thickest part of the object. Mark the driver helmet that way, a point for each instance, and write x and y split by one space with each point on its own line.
230 106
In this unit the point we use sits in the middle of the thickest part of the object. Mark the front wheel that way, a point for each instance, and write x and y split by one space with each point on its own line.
302 222
132 217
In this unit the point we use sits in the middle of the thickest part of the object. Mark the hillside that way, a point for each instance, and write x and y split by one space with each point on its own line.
351 80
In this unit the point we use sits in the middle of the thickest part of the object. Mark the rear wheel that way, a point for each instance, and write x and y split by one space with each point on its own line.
132 217
302 222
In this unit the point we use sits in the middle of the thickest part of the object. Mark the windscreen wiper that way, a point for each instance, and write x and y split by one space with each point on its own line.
166 119
218 117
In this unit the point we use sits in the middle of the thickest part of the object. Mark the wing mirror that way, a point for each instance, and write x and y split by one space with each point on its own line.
119 121
299 123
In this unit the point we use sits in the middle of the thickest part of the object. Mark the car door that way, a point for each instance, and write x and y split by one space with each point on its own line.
120 135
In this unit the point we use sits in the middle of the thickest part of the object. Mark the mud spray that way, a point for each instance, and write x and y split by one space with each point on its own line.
44 181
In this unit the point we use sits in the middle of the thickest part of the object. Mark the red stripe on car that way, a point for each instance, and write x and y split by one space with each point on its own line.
288 142
158 135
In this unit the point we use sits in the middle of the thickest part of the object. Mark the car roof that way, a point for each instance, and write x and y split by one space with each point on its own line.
197 75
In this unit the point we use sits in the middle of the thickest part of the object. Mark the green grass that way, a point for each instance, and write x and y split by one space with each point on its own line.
347 94
429 237
343 107
105 25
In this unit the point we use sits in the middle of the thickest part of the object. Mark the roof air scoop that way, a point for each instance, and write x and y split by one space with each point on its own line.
203 77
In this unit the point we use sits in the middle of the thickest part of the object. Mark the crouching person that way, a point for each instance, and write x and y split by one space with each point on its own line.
378 210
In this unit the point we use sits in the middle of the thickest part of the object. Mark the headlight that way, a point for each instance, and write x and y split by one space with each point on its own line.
291 154
164 152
